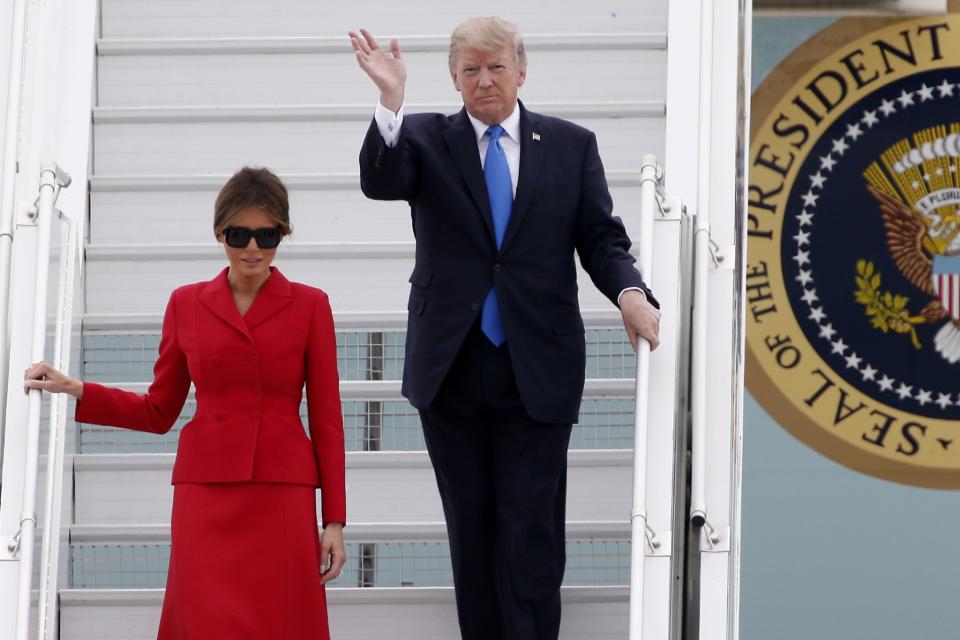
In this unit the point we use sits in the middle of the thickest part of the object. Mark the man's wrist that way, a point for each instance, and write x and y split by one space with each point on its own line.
637 289
388 123
392 100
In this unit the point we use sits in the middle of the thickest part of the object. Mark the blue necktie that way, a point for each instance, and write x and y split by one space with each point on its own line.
496 173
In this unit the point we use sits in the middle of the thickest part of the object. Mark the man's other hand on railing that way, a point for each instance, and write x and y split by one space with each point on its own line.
43 376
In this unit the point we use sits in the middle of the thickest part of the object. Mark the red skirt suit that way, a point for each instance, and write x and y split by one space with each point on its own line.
245 548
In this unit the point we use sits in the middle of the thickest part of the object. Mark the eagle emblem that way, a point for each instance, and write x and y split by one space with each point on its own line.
916 185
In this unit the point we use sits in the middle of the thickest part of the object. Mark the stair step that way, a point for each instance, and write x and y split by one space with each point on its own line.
221 71
605 423
589 613
378 555
346 321
127 355
340 113
364 532
213 46
373 279
186 18
331 207
109 183
289 140
381 486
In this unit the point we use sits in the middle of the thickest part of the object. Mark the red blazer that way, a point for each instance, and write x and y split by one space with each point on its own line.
249 373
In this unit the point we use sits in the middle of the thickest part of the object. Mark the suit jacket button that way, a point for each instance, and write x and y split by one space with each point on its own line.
475 306
219 388
255 387
218 417
215 361
254 360
497 267
255 414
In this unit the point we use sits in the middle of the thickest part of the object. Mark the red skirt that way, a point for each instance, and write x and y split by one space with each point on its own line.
244 563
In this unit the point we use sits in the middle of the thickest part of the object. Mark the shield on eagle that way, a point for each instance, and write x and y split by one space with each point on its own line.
946 282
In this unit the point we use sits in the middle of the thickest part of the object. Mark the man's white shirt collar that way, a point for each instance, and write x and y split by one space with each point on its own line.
511 126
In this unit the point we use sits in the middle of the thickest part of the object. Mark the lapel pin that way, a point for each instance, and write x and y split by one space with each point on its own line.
535 136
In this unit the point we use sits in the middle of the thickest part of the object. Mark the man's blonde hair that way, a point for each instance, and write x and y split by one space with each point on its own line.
487 34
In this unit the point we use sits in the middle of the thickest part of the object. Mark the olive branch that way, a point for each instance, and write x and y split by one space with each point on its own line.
887 312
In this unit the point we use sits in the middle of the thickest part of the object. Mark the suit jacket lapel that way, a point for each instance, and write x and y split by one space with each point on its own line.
461 140
531 160
217 297
271 299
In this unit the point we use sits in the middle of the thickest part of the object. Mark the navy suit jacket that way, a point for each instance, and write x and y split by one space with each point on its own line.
562 207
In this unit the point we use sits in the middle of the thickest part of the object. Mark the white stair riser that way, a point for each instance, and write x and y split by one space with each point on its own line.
588 621
138 148
351 618
132 493
335 78
355 284
318 215
184 18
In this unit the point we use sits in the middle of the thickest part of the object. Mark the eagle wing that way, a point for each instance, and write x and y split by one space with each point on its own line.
905 236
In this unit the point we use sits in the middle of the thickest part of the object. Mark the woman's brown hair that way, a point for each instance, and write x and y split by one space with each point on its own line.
252 187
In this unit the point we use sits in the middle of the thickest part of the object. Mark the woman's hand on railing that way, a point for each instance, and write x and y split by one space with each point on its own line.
43 376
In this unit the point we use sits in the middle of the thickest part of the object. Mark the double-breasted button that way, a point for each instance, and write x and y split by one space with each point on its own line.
215 361
255 414
255 387
254 360
475 306
497 267
219 388
218 417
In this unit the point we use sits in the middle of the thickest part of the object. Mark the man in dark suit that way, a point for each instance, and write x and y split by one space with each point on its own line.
501 200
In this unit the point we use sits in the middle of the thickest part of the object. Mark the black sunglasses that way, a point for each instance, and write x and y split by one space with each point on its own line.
239 237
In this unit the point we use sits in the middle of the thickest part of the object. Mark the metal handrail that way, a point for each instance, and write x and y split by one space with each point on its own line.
50 547
52 178
701 239
8 177
640 533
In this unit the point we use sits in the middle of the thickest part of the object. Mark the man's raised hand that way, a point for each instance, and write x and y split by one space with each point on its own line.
388 70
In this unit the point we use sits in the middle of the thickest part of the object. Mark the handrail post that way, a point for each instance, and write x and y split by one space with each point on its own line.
649 182
51 180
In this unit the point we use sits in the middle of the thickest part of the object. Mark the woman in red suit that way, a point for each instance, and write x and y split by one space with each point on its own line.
246 560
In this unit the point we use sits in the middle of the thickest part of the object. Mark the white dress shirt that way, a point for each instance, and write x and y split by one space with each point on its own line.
389 124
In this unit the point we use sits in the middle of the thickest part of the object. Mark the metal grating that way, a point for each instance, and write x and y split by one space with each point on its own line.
119 566
609 354
387 424
119 357
379 425
370 355
361 355
605 423
388 564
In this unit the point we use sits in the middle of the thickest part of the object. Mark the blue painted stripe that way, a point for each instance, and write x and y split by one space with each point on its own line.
946 264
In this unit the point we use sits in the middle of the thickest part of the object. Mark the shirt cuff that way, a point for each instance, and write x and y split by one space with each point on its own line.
388 123
630 289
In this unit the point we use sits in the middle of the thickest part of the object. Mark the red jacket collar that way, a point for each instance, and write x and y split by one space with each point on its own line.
274 295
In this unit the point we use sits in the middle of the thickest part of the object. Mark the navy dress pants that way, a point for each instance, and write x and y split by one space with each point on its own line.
502 478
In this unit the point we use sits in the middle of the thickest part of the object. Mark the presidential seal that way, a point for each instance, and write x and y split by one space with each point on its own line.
853 277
